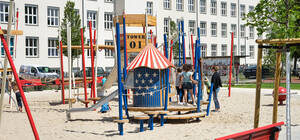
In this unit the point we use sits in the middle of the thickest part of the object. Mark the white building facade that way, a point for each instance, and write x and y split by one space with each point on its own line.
40 21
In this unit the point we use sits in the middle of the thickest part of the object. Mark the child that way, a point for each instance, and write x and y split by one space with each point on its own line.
18 95
178 84
207 84
187 85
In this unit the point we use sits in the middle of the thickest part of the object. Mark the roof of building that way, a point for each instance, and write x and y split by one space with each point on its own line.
150 57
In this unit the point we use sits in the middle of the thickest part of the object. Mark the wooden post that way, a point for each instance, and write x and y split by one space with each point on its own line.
258 86
11 3
277 81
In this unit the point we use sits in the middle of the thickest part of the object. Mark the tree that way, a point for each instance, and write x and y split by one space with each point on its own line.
277 19
71 15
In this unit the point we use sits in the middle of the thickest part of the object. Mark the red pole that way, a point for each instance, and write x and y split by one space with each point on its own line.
171 51
155 41
92 62
151 35
62 74
230 69
193 51
12 65
83 66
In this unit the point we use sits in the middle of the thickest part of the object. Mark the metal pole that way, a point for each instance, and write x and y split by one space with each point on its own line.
125 63
246 38
238 40
82 6
146 28
197 13
83 66
167 74
183 41
97 52
288 103
179 46
62 73
69 62
230 66
119 79
11 4
92 61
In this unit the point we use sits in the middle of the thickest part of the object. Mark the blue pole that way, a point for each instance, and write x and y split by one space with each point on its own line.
125 66
195 67
209 98
199 76
198 32
120 125
183 41
179 45
167 73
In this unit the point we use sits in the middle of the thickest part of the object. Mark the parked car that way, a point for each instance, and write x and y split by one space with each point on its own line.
251 72
37 72
88 70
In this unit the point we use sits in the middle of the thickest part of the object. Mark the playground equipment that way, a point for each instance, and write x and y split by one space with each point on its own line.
270 132
281 95
281 45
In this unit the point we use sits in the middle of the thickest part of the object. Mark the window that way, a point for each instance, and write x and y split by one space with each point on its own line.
52 50
213 7
31 47
243 50
251 8
109 52
93 16
108 21
31 14
233 29
179 5
243 31
251 32
251 51
224 50
243 10
149 8
11 47
167 4
213 49
88 51
166 25
214 29
191 5
223 8
192 26
203 6
233 10
53 16
203 28
203 49
4 6
224 30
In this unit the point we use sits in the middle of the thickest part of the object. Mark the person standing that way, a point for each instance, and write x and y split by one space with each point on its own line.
18 95
187 85
217 83
178 85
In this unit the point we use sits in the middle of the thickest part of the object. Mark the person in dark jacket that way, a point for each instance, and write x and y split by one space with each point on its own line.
217 83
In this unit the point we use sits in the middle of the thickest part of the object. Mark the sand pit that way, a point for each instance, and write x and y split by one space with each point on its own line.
236 115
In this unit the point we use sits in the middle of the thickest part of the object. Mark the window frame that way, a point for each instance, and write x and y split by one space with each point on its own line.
180 4
191 6
213 8
252 53
224 51
90 13
109 51
214 50
52 47
233 9
203 7
149 9
203 29
242 12
251 32
28 15
223 9
243 31
11 47
192 27
234 31
58 16
212 29
109 23
224 31
166 25
167 3
203 49
32 47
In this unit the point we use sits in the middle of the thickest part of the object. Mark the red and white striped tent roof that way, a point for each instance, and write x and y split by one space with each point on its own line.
150 57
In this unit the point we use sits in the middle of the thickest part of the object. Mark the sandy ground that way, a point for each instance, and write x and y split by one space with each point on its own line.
236 115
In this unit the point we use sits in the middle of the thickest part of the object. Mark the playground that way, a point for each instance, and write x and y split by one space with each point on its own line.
52 123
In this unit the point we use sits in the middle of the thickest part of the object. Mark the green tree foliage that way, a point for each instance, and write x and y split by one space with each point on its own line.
72 16
276 19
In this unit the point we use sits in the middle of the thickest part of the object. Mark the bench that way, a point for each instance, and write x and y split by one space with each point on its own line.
141 119
266 132
95 98
120 124
73 100
162 114
185 116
